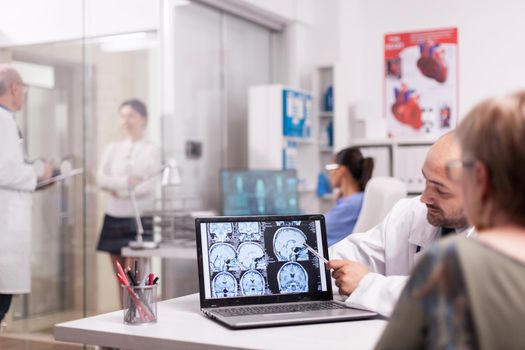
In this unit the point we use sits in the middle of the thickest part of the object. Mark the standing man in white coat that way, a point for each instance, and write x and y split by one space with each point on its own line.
371 268
17 181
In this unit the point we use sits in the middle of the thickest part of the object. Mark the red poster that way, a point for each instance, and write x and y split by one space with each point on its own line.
421 82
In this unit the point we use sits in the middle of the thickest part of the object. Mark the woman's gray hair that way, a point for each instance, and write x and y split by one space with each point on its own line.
493 133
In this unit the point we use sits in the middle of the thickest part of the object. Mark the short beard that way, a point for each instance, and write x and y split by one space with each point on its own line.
457 222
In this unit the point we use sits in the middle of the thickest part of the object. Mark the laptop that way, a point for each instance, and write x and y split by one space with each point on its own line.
255 271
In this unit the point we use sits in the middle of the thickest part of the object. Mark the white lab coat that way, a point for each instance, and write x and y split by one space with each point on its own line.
390 252
121 160
17 181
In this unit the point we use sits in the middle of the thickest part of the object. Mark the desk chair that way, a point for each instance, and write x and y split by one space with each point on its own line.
381 193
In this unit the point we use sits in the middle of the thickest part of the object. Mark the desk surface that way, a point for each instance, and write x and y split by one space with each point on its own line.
181 325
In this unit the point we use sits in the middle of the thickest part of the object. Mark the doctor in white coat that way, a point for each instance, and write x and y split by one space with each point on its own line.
371 268
17 181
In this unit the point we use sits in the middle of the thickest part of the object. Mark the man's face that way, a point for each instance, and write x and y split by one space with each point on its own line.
442 197
18 90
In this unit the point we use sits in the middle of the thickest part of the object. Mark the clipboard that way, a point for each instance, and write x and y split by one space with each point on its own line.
59 177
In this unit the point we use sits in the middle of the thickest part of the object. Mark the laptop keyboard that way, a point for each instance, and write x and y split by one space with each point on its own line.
277 309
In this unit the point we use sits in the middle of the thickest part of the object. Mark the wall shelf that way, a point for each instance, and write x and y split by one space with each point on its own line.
300 140
281 133
326 149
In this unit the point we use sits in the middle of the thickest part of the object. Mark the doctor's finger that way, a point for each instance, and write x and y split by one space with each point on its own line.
336 263
343 292
338 274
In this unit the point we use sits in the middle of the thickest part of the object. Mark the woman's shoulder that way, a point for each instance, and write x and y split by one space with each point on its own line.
471 255
353 199
444 252
451 246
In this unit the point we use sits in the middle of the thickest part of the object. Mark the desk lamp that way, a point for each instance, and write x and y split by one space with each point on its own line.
170 176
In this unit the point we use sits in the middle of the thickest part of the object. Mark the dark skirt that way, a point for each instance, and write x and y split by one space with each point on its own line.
118 232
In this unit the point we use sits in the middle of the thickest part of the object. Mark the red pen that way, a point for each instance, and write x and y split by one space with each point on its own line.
122 279
122 273
150 279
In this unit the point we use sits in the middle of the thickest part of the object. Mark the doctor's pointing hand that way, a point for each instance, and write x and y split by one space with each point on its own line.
347 274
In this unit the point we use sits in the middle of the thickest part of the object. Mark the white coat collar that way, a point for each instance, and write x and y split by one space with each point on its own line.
424 235
428 234
6 111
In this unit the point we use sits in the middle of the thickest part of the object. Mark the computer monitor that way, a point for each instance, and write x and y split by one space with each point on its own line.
259 192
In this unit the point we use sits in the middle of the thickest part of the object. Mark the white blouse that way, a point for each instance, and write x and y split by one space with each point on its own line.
123 159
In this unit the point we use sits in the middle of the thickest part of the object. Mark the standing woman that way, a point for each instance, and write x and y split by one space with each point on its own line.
349 173
124 165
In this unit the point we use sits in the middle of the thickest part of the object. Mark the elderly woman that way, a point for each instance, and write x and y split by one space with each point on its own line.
468 293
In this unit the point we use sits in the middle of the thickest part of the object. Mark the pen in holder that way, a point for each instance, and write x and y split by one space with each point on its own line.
140 303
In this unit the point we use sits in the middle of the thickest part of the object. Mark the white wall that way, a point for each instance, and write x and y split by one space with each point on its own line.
289 10
491 54
300 17
27 22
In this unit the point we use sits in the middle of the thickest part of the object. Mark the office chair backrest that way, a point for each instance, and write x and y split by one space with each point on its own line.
381 193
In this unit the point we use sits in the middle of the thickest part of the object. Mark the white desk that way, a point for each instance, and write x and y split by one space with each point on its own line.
181 326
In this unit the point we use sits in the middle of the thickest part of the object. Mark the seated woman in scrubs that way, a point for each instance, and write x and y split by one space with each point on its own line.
348 174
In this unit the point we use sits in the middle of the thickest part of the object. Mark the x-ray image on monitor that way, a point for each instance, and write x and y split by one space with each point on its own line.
272 260
259 192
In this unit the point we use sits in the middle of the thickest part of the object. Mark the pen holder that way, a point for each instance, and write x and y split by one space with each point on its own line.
140 304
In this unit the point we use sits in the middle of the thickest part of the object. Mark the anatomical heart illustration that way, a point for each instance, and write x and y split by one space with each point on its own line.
406 109
421 82
431 63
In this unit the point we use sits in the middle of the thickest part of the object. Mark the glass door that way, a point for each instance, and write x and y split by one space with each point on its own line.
218 56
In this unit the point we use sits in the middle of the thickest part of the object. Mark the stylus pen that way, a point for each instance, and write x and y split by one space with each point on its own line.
312 250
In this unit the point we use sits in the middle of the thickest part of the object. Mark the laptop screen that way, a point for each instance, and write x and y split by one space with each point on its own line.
243 258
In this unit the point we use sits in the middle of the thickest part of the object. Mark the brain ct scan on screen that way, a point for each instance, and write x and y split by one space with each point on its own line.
288 244
261 258
292 278
249 231
252 283
222 257
250 256
224 285
221 232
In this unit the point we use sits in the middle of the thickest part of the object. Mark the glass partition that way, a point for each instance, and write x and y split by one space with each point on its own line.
52 127
71 113
76 85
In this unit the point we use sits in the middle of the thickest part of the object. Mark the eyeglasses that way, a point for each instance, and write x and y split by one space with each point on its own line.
331 167
454 168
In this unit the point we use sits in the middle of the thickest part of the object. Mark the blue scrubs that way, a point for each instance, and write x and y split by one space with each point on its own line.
341 219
